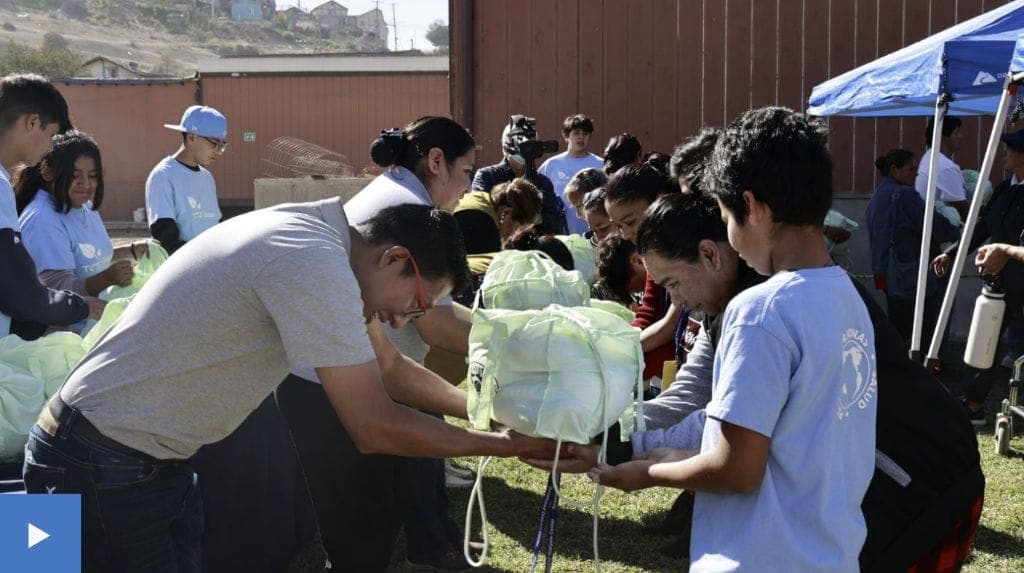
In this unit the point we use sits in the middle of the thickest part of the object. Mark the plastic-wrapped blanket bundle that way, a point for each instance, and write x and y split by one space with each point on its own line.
143 269
523 280
559 372
584 256
31 372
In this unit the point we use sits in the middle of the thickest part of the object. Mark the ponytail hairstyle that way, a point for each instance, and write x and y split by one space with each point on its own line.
67 148
894 158
406 147
528 239
522 197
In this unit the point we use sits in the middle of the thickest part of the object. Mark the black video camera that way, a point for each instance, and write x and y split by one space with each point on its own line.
523 140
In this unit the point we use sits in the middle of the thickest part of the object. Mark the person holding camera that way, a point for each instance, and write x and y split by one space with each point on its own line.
518 161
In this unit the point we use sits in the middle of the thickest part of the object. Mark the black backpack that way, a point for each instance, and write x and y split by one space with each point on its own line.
924 431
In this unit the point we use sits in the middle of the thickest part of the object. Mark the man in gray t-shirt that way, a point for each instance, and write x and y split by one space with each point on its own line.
210 336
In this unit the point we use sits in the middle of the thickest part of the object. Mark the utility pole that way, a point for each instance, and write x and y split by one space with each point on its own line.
394 24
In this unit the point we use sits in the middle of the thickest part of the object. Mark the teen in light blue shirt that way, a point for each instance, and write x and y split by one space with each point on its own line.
787 451
60 226
181 196
576 129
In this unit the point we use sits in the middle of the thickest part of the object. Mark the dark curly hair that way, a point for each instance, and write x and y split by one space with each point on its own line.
613 255
781 157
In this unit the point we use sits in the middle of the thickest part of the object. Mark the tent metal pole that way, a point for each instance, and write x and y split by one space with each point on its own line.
972 218
941 106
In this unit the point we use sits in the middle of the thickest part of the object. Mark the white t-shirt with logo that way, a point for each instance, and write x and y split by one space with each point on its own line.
796 363
173 191
76 241
560 169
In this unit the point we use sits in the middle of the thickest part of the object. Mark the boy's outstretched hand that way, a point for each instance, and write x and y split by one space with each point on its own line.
574 459
629 476
635 475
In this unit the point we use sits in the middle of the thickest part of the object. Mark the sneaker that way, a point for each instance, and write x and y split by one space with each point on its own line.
451 468
451 560
651 393
456 482
977 417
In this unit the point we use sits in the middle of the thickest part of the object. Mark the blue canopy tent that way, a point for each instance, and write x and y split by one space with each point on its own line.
964 70
968 62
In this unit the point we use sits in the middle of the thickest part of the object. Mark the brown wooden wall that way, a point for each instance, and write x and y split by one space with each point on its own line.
343 113
662 69
126 120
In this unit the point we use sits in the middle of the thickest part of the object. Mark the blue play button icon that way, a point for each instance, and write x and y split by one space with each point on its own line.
41 533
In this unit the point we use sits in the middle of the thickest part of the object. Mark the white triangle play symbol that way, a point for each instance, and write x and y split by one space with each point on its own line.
36 536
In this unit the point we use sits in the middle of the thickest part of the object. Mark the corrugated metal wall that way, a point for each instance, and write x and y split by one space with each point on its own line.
126 121
662 69
343 113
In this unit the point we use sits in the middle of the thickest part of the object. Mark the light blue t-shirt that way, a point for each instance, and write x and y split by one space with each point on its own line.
75 241
8 220
173 191
560 169
796 363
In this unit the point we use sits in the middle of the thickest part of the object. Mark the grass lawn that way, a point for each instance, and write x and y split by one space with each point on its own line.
513 493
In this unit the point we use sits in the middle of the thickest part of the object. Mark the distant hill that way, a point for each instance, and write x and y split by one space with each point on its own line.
169 36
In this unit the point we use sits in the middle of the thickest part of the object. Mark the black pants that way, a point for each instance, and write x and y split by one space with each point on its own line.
356 496
901 314
255 502
361 500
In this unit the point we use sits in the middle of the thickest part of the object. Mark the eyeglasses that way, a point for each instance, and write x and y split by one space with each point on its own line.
218 144
422 309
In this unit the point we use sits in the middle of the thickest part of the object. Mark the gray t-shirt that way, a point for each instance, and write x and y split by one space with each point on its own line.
218 327
396 186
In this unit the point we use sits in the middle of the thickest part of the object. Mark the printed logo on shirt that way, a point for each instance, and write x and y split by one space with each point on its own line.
194 203
562 175
88 251
476 375
859 379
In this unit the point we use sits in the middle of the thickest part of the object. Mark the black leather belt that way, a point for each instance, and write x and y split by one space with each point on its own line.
57 417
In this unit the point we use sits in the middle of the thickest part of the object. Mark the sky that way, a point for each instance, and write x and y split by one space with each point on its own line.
413 16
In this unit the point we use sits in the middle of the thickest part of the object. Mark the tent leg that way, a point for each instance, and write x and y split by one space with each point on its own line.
941 106
972 218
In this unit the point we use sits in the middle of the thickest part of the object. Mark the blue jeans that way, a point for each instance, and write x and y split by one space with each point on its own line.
137 514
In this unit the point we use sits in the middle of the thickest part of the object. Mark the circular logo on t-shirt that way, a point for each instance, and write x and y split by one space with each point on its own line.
859 382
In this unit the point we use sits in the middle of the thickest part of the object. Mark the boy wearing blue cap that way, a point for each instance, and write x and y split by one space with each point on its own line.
181 196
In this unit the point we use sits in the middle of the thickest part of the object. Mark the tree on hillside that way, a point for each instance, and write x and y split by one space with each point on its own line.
18 59
54 41
437 34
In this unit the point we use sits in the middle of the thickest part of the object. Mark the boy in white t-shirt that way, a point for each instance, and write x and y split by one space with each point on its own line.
181 196
560 169
788 448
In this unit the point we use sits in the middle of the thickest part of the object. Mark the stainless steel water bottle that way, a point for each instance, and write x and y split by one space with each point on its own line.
985 326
